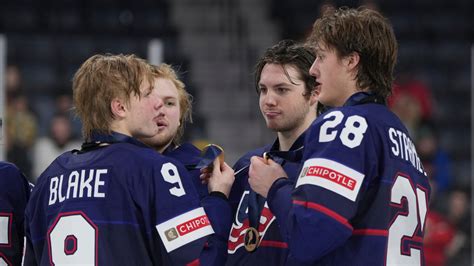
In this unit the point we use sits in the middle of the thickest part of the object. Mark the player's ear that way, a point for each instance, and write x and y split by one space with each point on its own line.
313 97
352 61
118 108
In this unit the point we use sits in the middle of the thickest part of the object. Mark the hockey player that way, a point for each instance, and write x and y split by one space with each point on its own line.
117 201
174 111
288 102
14 194
361 196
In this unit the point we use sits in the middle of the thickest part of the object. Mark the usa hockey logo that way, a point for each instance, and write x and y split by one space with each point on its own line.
241 224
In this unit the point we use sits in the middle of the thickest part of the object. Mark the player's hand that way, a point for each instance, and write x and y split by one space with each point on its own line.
205 174
221 178
262 174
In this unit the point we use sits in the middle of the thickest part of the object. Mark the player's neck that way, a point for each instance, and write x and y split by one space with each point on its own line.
119 127
162 148
351 89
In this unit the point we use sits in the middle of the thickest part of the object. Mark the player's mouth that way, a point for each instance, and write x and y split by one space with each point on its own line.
161 124
317 87
271 114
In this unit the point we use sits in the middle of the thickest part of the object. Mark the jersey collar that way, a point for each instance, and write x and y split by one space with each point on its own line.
114 137
364 97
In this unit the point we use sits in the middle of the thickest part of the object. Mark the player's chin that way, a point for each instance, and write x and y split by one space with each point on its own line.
273 125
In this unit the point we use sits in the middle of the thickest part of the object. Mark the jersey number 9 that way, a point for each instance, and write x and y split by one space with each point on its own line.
72 239
171 175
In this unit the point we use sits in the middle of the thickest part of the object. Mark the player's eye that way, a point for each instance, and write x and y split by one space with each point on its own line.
262 90
282 90
170 103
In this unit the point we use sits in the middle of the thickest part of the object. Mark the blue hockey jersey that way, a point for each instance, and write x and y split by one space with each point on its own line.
14 194
361 197
272 249
190 156
119 204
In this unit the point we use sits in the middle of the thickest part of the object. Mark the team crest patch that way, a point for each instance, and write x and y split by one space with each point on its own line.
331 175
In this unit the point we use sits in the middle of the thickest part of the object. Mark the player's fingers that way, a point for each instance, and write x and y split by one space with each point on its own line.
271 162
226 167
257 160
204 176
205 170
216 167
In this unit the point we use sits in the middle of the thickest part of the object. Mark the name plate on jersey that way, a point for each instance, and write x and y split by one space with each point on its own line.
184 229
331 175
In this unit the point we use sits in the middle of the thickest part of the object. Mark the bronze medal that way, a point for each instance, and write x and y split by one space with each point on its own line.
251 239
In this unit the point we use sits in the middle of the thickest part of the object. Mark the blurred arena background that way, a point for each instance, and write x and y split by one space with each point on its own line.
214 45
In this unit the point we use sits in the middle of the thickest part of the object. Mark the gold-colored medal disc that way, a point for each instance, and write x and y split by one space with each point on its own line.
251 239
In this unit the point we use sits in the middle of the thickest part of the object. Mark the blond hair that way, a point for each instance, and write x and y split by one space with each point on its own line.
99 80
185 99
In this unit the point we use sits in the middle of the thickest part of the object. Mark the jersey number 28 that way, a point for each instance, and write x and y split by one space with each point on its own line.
352 133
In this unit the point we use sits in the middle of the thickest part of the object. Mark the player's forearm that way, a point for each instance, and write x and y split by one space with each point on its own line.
219 213
313 235
301 226
280 203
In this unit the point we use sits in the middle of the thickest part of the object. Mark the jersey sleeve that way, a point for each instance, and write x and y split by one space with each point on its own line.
338 161
190 231
220 214
14 194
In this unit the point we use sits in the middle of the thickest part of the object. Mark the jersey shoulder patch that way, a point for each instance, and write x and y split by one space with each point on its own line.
332 176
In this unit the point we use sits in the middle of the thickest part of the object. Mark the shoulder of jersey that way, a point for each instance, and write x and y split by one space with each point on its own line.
371 112
186 153
10 173
6 166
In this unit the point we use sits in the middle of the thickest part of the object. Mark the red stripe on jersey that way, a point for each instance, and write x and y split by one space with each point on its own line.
370 232
233 245
236 232
275 244
324 210
194 263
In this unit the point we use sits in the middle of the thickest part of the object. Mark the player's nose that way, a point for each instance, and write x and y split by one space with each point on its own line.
160 103
269 99
313 70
